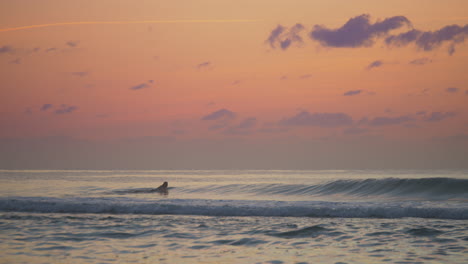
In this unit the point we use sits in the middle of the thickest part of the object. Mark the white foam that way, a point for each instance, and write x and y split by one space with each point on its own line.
234 207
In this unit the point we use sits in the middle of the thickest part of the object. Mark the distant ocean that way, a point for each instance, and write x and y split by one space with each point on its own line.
215 216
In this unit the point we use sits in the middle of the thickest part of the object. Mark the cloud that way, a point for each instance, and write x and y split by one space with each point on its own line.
439 116
429 40
80 74
466 92
243 128
374 64
420 61
202 65
50 50
6 49
357 32
220 114
284 37
46 107
65 109
387 121
142 85
305 118
451 90
352 92
72 44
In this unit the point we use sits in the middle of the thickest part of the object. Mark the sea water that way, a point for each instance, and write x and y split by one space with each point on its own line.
232 216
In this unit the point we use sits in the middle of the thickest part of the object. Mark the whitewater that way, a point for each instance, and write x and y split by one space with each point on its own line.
234 216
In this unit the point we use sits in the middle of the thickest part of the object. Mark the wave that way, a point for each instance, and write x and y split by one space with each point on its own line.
428 188
206 207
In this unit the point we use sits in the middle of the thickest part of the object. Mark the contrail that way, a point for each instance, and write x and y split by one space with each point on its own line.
129 22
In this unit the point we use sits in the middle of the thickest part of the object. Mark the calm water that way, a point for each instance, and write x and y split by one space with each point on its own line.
234 217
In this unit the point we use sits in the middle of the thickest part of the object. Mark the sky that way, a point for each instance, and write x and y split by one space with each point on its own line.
247 84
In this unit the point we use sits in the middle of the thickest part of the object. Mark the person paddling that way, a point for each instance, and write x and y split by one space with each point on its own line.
162 189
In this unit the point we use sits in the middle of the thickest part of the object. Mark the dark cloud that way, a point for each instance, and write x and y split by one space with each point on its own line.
284 37
429 40
357 32
46 107
72 44
204 65
65 109
220 114
305 118
374 64
139 86
6 49
420 61
80 74
387 121
352 92
439 116
451 90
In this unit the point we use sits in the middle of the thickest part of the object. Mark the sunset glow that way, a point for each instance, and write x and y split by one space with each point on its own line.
233 84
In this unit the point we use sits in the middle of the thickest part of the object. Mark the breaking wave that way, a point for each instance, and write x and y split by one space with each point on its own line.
427 188
233 207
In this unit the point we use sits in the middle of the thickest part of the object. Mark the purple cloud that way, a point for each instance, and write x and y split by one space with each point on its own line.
352 92
46 107
374 64
203 65
65 109
139 86
72 44
220 114
357 32
439 116
305 118
6 49
451 90
387 121
420 61
429 40
284 37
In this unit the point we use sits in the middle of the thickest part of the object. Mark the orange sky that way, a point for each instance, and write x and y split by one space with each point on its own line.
201 71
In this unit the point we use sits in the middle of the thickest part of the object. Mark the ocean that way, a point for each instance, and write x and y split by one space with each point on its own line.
234 216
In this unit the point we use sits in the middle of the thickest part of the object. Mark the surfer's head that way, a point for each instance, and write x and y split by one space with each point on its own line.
164 185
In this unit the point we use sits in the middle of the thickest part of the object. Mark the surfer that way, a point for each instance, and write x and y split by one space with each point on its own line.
162 189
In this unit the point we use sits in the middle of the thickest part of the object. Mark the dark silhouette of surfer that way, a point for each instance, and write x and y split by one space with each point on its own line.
162 189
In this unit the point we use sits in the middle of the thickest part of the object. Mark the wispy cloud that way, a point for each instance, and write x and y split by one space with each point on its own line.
65 109
387 121
220 114
305 118
420 61
284 37
452 90
142 85
46 107
352 92
6 49
203 65
374 64
439 116
72 44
